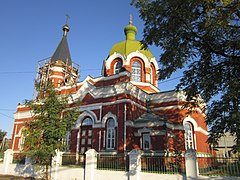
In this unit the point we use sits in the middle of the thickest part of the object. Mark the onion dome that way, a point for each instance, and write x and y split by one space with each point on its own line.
62 51
130 44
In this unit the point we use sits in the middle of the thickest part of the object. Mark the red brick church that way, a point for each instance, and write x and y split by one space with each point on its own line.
123 109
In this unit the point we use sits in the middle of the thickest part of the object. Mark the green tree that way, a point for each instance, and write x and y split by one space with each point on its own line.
52 119
203 37
2 140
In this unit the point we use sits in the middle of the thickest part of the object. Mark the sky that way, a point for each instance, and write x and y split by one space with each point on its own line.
31 31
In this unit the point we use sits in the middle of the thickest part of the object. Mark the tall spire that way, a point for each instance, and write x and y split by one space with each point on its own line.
62 51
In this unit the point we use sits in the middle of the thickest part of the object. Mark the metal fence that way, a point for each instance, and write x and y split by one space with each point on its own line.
119 162
163 165
70 159
207 166
149 163
219 166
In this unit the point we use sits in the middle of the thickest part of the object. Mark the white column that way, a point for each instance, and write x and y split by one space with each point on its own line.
191 163
57 161
134 164
8 158
90 164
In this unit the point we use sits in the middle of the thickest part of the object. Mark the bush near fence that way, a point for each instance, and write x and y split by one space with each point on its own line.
219 166
19 158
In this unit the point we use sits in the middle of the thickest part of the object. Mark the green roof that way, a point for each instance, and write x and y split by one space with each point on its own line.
130 44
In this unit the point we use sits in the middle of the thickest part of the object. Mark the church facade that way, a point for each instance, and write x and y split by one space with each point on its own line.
123 109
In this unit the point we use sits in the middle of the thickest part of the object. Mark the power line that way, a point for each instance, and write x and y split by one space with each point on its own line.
7 110
90 69
6 115
161 82
31 72
17 72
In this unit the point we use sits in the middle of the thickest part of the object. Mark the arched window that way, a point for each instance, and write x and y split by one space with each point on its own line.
87 122
110 133
136 71
21 140
189 142
151 75
118 67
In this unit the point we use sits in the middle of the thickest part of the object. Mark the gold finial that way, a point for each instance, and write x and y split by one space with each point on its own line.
130 21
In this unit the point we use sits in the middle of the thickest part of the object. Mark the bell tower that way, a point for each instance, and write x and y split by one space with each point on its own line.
58 69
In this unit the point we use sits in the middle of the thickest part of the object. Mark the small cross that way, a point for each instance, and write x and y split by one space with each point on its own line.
67 17
130 22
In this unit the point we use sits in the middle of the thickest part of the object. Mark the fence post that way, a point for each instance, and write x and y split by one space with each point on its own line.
90 164
8 159
134 164
191 163
57 159
56 162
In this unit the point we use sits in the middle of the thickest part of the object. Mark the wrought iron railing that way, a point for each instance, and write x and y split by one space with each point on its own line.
163 165
118 162
219 166
73 159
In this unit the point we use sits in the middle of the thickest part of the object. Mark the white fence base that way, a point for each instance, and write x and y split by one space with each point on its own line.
67 173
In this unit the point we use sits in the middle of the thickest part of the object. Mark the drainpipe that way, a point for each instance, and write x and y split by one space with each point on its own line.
99 141
78 145
124 126
167 145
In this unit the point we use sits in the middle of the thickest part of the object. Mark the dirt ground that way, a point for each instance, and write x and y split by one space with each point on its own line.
9 177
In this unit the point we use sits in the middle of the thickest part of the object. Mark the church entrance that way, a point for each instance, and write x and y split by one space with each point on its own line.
86 135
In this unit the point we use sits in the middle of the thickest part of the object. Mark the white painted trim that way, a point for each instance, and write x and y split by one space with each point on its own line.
146 84
56 76
98 106
195 125
21 122
82 116
56 69
107 116
23 114
14 137
112 57
154 61
139 55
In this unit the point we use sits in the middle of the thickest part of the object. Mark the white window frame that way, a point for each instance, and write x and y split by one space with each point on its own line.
110 135
189 135
136 71
146 138
118 67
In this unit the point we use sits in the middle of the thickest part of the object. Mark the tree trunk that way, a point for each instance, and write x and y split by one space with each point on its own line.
46 172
